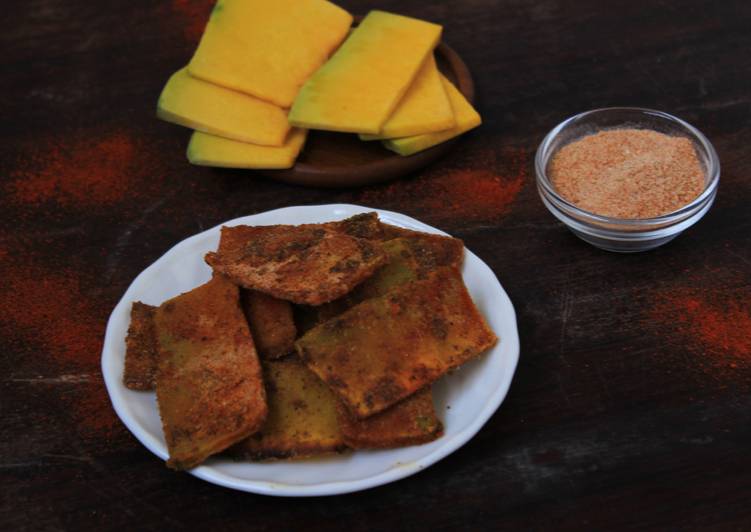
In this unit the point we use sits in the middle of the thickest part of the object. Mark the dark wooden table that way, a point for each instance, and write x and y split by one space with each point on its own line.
631 405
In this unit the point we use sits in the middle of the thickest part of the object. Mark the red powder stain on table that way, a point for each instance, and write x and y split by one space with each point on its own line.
718 323
77 170
46 311
92 410
48 308
478 190
193 14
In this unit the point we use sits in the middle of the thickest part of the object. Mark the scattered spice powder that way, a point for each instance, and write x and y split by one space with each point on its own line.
721 326
479 189
46 309
628 173
717 324
93 412
86 168
61 333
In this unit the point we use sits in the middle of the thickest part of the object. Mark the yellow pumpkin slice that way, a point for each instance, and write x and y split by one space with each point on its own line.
424 109
206 107
360 86
210 150
268 49
466 118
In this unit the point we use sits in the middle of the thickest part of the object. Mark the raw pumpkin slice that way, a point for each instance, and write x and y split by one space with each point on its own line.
360 86
466 119
206 107
268 48
424 109
210 150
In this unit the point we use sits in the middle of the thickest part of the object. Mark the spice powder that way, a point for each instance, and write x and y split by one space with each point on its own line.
628 173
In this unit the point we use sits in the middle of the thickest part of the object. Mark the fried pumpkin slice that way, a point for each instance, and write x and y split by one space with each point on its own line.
386 348
410 422
411 256
401 267
140 349
209 385
430 250
306 264
271 323
365 225
302 420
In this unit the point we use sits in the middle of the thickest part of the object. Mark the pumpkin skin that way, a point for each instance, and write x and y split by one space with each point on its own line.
424 109
360 86
206 107
210 150
466 118
268 49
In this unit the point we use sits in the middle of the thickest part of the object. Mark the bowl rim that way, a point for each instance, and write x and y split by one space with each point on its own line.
713 171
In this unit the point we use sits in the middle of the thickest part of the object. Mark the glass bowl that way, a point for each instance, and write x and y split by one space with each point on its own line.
620 234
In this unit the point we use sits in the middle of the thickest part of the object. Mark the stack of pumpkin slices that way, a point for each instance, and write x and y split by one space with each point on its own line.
264 74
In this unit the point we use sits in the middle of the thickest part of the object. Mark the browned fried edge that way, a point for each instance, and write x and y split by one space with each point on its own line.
141 350
366 443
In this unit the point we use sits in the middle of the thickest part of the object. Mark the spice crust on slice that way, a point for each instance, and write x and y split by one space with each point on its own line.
306 264
141 349
411 254
386 348
209 384
271 323
402 267
302 420
365 225
430 250
410 422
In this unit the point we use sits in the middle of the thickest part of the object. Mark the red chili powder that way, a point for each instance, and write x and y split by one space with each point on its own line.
48 308
472 192
77 170
45 311
92 409
718 321
194 15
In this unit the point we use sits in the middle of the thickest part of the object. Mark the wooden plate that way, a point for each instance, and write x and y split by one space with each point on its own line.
343 160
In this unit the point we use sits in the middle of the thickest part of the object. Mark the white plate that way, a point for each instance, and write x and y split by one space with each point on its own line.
464 400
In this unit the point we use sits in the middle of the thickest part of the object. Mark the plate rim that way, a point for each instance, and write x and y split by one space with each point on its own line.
263 487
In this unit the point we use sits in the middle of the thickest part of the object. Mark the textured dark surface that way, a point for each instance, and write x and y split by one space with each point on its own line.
631 406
